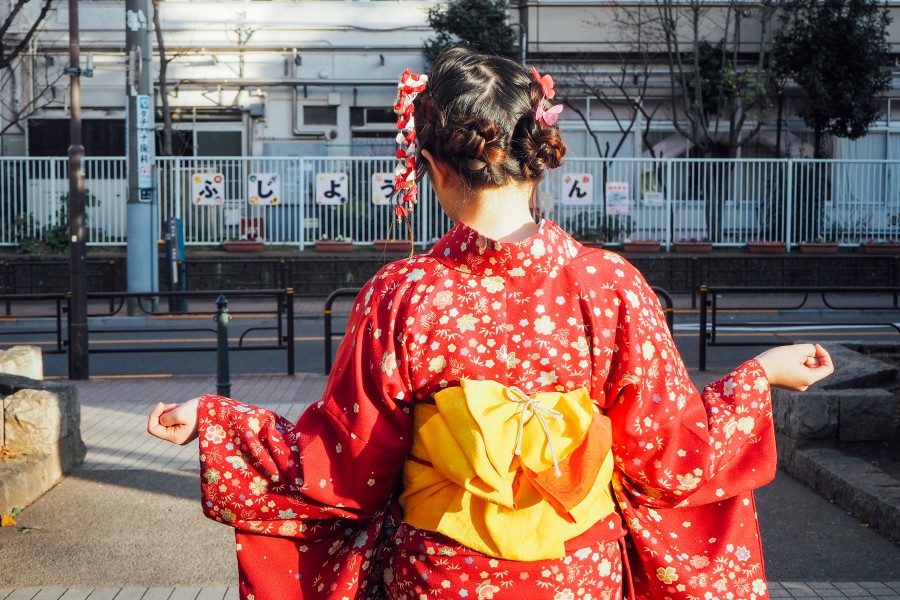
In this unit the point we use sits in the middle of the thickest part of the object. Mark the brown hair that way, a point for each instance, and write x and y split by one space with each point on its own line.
478 115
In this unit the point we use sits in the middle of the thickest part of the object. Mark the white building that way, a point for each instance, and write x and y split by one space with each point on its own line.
277 78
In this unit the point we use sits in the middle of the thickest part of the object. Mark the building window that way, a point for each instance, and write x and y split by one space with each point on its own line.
100 137
319 115
361 116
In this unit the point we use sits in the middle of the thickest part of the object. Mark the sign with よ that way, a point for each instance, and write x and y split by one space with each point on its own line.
331 188
263 189
617 198
382 188
577 189
208 189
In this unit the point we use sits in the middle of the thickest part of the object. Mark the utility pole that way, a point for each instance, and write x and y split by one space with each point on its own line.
78 329
142 214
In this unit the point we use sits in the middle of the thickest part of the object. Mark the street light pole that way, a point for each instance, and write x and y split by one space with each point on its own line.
78 329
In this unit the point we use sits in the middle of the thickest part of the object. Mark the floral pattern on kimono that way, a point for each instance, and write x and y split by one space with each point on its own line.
312 501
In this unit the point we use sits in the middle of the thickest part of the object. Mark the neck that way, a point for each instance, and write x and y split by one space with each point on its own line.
502 214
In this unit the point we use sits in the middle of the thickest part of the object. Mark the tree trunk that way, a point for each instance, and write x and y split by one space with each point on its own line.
163 83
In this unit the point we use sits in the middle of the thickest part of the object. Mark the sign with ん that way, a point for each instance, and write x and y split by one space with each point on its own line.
208 189
263 189
331 188
578 189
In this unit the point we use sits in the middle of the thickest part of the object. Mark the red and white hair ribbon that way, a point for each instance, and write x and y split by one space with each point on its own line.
410 86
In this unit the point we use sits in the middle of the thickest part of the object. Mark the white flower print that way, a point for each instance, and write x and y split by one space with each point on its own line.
729 387
466 323
388 363
486 589
492 284
544 325
565 594
537 248
415 275
253 424
437 364
633 298
745 424
667 574
742 554
688 481
761 384
759 586
215 434
443 299
648 349
259 486
548 377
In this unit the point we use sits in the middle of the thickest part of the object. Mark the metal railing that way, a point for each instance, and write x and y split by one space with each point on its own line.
728 201
749 299
38 308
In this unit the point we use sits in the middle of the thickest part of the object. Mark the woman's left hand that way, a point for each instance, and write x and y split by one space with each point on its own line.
176 423
796 367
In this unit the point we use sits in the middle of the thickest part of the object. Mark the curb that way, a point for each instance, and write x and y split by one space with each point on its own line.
24 479
860 488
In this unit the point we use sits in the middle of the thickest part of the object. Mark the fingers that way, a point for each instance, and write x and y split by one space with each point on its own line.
153 426
170 416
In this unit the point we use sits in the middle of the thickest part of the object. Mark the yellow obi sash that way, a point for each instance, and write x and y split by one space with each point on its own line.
506 474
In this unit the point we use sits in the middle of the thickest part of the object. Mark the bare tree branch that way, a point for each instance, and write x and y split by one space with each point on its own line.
6 59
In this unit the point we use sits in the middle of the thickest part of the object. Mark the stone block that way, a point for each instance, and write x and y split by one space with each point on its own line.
25 361
811 415
43 419
866 415
854 370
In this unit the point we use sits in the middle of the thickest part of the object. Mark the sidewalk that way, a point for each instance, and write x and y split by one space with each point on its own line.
127 524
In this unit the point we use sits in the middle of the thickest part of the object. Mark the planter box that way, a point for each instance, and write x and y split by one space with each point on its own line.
767 247
243 246
818 247
333 246
891 249
393 246
590 244
693 247
641 246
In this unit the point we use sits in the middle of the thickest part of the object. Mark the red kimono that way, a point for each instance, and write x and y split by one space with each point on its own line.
314 502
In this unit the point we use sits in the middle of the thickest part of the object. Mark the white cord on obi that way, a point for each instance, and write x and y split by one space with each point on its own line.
514 394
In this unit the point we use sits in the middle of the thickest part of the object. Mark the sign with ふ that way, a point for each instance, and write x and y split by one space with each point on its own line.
208 189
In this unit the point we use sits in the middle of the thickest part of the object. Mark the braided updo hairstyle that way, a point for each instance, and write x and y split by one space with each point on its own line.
478 116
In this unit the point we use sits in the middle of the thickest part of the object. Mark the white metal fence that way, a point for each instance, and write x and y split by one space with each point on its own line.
293 201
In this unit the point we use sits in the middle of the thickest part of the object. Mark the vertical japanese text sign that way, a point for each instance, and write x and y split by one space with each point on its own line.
208 189
331 188
577 188
145 144
263 189
617 198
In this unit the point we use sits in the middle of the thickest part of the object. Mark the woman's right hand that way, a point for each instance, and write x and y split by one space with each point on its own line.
176 423
796 367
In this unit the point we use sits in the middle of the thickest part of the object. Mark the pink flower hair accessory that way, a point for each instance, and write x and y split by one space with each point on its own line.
550 114
410 86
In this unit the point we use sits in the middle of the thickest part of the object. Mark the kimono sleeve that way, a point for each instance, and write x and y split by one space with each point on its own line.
673 445
686 461
344 456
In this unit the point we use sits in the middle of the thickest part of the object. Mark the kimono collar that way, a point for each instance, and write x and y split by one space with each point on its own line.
464 249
